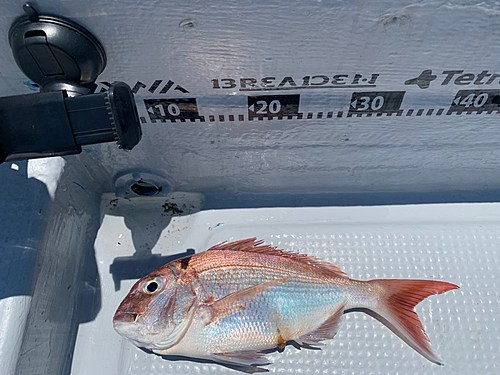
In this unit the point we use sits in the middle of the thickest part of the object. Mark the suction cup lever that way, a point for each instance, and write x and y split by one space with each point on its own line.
64 59
53 50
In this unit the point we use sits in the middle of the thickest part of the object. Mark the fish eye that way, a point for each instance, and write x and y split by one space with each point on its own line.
152 286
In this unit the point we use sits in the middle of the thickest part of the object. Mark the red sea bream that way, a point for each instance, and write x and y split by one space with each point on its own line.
236 299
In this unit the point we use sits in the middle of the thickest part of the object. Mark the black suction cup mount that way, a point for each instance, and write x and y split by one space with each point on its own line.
64 59
56 53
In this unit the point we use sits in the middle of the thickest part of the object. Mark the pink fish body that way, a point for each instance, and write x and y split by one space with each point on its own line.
235 300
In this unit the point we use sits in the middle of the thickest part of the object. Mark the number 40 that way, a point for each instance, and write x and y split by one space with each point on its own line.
469 100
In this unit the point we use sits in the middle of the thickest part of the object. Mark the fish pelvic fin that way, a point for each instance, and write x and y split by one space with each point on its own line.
396 310
326 331
242 358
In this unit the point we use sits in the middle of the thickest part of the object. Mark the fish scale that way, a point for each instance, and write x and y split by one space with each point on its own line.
272 314
224 271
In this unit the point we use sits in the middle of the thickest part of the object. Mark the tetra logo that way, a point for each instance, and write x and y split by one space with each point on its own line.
455 76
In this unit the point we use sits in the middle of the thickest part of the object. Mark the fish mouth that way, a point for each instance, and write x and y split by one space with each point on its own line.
124 318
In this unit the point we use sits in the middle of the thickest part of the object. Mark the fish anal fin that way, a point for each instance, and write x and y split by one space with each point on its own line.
326 331
255 246
240 300
241 358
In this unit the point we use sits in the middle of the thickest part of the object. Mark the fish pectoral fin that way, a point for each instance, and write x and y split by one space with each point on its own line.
241 358
326 331
240 300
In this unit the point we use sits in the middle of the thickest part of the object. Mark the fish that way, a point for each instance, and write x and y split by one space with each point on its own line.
236 300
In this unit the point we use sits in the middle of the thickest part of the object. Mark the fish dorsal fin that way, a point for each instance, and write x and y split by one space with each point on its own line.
255 246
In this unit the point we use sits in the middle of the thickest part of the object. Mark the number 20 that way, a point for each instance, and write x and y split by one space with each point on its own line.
274 107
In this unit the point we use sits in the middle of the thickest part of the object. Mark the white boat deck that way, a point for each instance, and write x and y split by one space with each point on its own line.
458 243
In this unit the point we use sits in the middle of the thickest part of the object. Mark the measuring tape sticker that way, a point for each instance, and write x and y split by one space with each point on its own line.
475 101
172 109
273 106
375 102
286 107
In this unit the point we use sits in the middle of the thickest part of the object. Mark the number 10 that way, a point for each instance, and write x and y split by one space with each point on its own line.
173 109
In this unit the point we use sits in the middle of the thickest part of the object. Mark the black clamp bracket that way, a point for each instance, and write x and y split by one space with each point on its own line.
64 59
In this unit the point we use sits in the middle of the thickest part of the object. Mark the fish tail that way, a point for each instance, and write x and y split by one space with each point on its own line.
395 308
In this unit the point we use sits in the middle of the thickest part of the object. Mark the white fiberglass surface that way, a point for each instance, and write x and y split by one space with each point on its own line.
458 243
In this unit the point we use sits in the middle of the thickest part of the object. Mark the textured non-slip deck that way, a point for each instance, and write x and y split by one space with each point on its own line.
454 243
